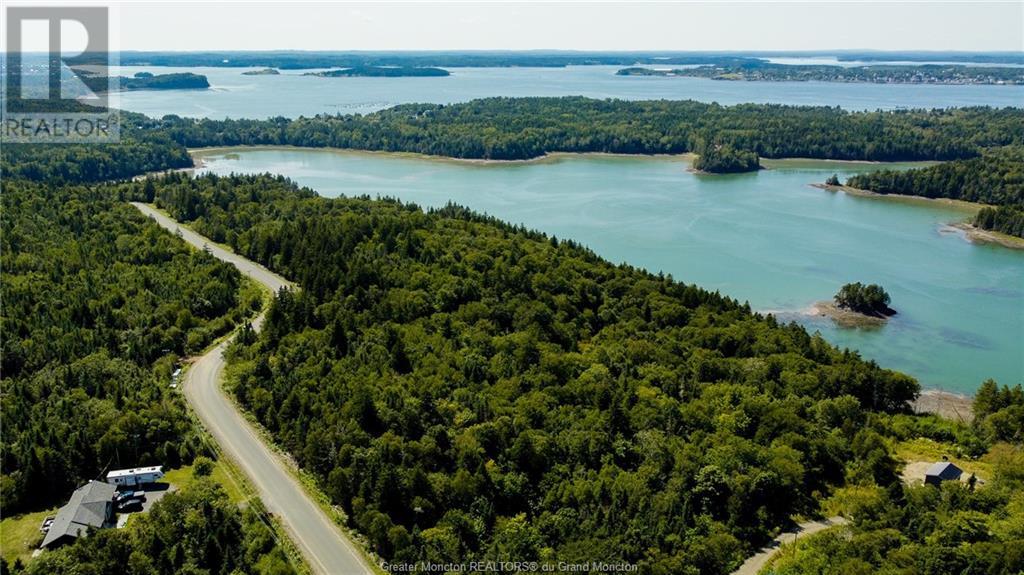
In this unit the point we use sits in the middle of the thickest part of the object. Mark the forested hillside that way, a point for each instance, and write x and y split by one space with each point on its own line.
98 302
518 128
143 148
464 388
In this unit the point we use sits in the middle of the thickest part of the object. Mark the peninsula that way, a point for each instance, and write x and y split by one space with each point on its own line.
382 72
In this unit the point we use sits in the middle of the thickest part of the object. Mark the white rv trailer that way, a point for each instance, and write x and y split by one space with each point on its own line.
135 477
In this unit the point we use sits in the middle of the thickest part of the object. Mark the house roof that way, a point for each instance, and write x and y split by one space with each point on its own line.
944 470
86 508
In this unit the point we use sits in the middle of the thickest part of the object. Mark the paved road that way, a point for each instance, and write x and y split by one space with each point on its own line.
325 547
755 563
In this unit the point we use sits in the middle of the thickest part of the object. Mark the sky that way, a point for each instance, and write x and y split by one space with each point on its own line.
184 26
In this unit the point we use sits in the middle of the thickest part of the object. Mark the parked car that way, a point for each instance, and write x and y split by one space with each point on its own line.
125 496
128 505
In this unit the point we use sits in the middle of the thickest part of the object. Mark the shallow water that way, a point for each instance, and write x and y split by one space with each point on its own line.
768 238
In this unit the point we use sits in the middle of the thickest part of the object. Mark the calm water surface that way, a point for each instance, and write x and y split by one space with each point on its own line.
768 238
291 94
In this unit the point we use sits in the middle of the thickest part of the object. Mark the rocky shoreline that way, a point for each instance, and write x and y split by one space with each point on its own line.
945 404
844 317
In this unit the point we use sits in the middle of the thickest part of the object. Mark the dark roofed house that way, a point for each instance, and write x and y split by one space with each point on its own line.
942 471
90 506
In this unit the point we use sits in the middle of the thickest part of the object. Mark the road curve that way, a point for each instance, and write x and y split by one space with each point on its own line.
327 550
756 562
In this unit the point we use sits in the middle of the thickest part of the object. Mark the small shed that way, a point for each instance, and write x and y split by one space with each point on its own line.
942 471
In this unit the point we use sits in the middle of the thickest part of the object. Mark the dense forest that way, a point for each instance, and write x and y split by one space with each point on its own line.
98 304
147 81
197 531
519 128
996 178
724 159
884 74
465 388
143 148
1004 219
459 386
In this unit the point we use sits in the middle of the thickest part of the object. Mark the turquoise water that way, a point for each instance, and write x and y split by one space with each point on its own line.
291 94
768 238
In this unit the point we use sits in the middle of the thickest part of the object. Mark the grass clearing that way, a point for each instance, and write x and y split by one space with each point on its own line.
183 476
922 449
20 535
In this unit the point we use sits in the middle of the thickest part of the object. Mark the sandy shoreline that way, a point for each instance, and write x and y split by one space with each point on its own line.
546 158
961 204
978 235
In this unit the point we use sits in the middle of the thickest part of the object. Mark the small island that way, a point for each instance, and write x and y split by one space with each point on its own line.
857 305
382 72
725 159
263 72
148 81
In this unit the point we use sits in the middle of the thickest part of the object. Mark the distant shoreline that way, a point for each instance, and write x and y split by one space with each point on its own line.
547 157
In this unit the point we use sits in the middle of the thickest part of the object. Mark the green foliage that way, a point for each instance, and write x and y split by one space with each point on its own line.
999 412
146 81
955 530
1005 219
868 299
143 149
98 303
462 387
996 177
833 180
196 531
202 466
724 159
517 128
